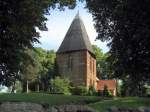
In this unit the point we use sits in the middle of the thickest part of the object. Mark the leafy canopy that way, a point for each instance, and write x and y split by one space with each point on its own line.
19 20
103 64
126 24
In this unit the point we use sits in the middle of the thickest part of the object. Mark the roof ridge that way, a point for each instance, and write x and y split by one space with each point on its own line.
81 22
77 15
82 32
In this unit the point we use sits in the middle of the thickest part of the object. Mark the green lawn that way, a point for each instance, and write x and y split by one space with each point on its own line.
48 98
95 102
129 102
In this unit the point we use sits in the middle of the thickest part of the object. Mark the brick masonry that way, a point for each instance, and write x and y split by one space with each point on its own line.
78 66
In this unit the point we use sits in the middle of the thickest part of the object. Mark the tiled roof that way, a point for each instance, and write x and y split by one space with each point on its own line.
76 38
111 84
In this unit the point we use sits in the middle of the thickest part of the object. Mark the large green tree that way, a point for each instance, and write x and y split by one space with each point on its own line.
126 24
103 64
47 68
38 69
19 20
29 69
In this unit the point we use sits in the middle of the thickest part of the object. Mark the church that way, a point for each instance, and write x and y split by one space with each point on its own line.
76 59
75 56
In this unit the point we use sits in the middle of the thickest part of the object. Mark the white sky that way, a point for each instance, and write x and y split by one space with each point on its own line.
58 24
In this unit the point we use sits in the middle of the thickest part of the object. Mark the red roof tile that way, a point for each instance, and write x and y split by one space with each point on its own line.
111 84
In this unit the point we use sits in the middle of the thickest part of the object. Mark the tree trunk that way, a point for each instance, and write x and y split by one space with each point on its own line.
43 86
27 87
38 88
13 88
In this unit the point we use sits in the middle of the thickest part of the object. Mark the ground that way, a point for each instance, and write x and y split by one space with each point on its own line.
126 102
97 103
50 99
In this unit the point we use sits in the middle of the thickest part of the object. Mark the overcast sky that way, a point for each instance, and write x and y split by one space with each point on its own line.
58 24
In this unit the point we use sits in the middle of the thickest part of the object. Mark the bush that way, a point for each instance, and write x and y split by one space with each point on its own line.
18 87
92 91
106 92
79 90
60 86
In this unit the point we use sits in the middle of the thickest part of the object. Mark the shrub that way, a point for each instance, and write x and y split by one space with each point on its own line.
60 86
18 87
106 92
92 91
79 90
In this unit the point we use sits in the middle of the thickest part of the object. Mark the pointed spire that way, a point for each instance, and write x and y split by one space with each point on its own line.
76 38
78 12
77 15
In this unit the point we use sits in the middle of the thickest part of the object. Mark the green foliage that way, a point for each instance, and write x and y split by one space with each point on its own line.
47 68
98 52
127 88
39 68
148 92
106 92
92 91
18 87
79 90
47 61
29 68
50 99
125 24
119 88
125 102
19 20
60 86
103 65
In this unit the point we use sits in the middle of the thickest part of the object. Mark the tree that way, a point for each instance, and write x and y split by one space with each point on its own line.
18 87
19 20
51 63
37 69
29 69
43 70
125 24
103 64
47 68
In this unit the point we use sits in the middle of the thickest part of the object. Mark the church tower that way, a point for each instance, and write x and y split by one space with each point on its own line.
75 57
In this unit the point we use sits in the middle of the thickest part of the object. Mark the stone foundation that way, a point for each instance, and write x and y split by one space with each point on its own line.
139 109
32 107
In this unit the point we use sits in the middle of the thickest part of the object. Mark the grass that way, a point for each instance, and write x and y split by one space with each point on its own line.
127 102
92 101
50 99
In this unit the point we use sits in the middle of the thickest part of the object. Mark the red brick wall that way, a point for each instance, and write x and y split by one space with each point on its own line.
79 67
91 70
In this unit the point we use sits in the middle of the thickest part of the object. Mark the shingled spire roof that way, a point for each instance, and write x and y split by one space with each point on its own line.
76 38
